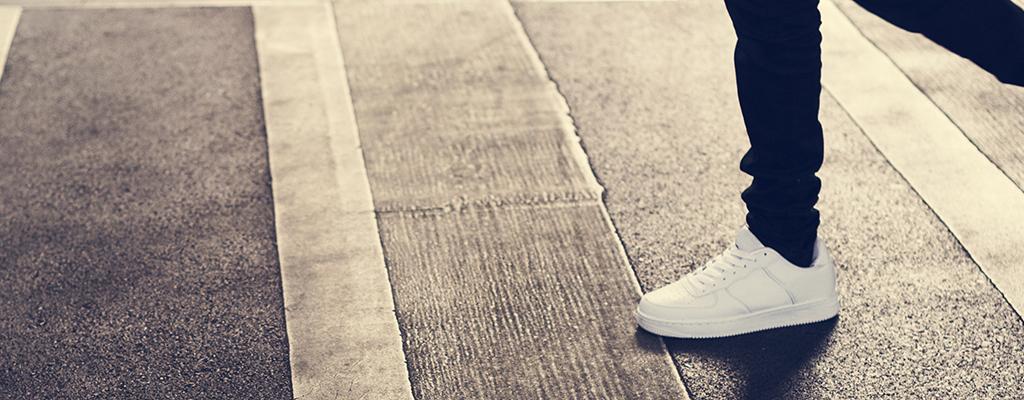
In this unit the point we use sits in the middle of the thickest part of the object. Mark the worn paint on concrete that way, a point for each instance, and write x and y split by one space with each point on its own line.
509 281
343 336
976 200
138 228
652 92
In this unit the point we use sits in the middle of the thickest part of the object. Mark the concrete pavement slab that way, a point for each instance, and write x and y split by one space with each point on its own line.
138 239
516 303
652 92
453 112
508 278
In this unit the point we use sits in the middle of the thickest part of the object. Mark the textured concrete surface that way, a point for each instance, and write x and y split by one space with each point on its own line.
454 109
990 113
343 336
519 303
919 319
138 237
507 276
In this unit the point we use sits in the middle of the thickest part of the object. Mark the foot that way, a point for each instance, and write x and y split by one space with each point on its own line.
748 288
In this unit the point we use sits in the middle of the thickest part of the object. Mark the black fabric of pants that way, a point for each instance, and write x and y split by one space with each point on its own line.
778 74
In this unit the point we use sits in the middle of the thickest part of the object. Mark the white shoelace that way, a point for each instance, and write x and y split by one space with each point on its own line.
719 268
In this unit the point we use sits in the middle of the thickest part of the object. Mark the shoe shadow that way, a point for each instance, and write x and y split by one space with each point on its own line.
759 365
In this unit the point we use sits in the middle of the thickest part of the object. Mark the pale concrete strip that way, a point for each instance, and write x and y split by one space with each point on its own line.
456 110
980 205
988 112
509 282
596 1
583 162
8 24
343 337
575 150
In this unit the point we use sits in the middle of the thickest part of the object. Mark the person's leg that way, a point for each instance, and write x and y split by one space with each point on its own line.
750 286
988 32
778 74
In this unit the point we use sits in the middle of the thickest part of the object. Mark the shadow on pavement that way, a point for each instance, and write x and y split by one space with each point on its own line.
758 365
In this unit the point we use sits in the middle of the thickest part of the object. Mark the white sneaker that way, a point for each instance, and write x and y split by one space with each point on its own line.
747 288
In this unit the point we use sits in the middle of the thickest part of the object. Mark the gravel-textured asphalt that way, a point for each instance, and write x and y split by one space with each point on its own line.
138 256
657 112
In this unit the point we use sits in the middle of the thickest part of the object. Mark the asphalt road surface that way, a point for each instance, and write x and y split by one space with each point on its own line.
448 200
138 238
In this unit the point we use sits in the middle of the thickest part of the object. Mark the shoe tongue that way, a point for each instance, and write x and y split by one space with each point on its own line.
746 241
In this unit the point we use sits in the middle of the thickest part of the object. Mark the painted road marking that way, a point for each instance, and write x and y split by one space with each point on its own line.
980 205
988 112
8 24
343 337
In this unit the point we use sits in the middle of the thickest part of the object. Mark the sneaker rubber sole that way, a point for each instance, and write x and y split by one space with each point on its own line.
779 317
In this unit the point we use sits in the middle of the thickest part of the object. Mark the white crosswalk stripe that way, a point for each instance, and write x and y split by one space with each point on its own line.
978 202
343 336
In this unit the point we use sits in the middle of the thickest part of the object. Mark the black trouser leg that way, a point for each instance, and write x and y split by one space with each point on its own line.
778 73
